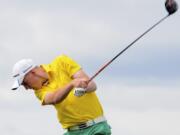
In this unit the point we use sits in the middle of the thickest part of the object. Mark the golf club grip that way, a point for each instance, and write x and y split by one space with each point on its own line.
108 63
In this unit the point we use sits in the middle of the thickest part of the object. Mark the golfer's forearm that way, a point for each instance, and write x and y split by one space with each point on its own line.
91 87
59 95
81 74
62 93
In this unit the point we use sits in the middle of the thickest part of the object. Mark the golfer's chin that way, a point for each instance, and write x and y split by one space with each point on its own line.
38 87
40 84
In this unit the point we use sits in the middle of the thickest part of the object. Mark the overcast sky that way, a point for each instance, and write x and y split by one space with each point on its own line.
140 91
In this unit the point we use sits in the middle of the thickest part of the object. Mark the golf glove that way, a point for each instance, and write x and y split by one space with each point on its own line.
78 92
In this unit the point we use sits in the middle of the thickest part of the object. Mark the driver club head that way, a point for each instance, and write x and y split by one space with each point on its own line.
171 6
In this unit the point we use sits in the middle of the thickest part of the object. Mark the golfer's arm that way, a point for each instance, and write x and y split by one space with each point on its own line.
61 94
81 74
58 96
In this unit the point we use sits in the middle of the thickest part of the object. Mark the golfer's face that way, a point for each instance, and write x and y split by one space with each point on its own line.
35 79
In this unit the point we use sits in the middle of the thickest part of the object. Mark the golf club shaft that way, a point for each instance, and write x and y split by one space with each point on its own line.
109 62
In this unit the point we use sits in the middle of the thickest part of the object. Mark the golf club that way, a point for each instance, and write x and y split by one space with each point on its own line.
171 7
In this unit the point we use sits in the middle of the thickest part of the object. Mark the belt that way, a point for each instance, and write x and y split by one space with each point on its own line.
87 124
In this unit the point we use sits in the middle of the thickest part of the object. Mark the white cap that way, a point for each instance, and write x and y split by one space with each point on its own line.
20 69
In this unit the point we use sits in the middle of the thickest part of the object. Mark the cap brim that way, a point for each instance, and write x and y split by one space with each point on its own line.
16 85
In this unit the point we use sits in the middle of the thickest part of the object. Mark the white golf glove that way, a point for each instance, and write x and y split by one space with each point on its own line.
78 92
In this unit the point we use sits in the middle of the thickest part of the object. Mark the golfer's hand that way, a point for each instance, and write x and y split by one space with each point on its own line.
80 83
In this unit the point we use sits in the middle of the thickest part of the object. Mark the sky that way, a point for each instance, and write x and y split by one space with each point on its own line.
140 91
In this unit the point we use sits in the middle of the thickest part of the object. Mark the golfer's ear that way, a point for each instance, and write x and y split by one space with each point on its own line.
26 87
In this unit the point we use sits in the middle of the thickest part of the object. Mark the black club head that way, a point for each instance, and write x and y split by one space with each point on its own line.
171 6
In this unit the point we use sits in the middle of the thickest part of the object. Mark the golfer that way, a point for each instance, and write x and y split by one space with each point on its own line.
54 84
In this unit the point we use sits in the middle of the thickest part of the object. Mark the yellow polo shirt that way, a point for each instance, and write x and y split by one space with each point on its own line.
72 110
